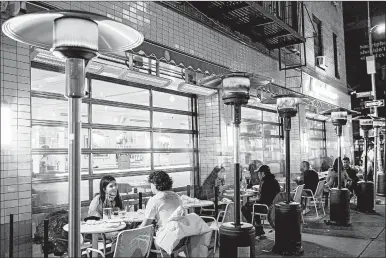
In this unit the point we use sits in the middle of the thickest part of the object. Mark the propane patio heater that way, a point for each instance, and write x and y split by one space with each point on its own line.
365 196
381 176
340 196
78 37
288 232
237 238
379 182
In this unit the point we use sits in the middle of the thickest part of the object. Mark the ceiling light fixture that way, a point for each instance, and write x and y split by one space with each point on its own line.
194 89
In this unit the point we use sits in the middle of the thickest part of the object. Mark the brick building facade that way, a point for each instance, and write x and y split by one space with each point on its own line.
175 31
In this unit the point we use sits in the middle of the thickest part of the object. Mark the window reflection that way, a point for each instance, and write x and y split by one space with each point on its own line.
121 93
47 81
120 116
172 160
166 100
172 140
167 120
120 139
120 162
50 165
54 137
53 109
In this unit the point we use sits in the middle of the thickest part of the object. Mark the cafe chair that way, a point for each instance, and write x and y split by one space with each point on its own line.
316 198
298 197
263 215
181 247
132 243
214 226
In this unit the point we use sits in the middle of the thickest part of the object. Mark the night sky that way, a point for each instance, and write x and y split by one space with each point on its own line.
355 19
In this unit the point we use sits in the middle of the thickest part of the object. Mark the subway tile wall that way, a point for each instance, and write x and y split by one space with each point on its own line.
15 176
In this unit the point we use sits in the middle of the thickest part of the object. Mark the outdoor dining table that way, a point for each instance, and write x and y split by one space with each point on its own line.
244 195
96 229
197 204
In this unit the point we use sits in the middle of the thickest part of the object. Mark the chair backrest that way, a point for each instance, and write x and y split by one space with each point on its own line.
229 215
298 194
319 190
134 242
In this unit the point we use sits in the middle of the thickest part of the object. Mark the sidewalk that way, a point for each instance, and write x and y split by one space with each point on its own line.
364 238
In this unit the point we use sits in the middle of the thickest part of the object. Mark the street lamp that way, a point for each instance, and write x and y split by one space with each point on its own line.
78 36
235 88
379 28
288 233
340 197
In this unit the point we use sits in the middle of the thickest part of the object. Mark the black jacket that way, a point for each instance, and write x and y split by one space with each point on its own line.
352 173
269 189
311 180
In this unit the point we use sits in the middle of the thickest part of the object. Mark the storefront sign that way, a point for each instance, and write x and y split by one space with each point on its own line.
365 122
378 123
365 94
338 115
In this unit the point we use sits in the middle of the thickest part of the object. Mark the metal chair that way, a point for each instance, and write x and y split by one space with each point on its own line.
181 247
131 243
298 197
316 198
263 216
214 226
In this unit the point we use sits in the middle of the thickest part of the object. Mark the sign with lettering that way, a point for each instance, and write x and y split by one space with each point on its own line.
364 94
338 115
366 122
379 50
379 123
375 103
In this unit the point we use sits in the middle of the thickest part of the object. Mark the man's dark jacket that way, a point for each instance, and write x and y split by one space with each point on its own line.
269 189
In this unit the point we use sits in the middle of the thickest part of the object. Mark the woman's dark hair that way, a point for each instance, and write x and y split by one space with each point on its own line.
105 180
254 165
265 169
161 180
335 165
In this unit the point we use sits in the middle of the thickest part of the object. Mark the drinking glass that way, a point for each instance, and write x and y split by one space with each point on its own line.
107 213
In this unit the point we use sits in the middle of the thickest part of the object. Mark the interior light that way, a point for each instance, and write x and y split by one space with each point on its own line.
194 89
6 129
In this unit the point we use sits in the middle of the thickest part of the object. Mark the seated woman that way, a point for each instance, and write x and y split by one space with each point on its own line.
108 197
215 178
164 202
332 177
254 175
269 189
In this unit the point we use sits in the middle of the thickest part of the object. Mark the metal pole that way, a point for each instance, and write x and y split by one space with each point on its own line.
236 139
339 131
75 78
366 133
10 235
287 128
375 97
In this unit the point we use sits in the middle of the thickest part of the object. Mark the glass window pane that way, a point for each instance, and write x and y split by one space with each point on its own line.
50 165
172 140
48 81
250 114
172 160
55 193
270 130
103 163
166 100
53 109
270 117
139 182
167 120
54 137
120 139
117 92
120 116
181 179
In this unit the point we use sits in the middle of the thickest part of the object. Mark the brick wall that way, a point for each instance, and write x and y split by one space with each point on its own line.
15 176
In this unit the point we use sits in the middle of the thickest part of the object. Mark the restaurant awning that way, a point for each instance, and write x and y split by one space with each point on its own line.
174 57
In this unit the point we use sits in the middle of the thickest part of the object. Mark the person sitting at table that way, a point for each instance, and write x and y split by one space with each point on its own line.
254 175
164 202
352 176
215 178
108 197
310 179
269 189
332 177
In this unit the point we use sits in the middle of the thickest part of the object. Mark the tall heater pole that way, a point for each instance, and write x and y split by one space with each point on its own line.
236 140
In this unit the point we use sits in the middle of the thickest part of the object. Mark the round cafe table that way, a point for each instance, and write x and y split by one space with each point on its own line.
197 204
96 229
133 216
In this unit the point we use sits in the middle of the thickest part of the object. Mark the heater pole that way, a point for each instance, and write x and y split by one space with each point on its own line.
75 76
236 140
339 132
366 134
287 128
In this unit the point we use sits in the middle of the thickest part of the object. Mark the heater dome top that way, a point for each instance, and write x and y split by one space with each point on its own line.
37 29
215 81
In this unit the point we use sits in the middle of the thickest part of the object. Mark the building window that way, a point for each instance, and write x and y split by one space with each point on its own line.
315 144
336 58
260 138
127 132
318 44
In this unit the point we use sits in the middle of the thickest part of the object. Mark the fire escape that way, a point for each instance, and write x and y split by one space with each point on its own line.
276 25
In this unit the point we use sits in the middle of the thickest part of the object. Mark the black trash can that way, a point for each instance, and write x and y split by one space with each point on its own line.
365 196
381 184
288 229
237 242
340 206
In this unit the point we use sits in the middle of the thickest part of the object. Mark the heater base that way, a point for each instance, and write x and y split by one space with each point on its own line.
237 241
365 196
288 229
340 206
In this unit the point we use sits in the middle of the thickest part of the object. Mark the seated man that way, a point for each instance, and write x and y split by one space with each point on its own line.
352 174
269 189
309 178
164 202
